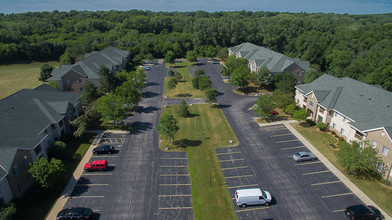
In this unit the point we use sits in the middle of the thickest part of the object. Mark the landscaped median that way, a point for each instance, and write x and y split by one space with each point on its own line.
379 193
199 134
184 88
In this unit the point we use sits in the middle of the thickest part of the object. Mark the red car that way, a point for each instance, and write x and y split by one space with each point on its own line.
100 165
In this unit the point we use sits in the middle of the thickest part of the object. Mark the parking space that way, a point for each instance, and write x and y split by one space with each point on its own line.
175 195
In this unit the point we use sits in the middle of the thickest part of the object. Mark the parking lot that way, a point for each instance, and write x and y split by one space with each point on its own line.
323 191
175 195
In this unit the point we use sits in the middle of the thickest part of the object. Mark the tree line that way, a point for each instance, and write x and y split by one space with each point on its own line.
357 46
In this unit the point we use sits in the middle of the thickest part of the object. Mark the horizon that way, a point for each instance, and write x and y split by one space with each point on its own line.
354 7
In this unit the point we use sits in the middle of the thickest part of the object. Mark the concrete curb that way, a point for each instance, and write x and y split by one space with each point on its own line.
362 196
60 203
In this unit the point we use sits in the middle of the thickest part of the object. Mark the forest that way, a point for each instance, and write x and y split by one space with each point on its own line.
356 46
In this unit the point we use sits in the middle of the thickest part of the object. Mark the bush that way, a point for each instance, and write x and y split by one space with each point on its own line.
283 99
183 110
290 109
310 122
199 72
336 135
172 83
341 139
6 212
204 83
321 125
57 149
178 76
195 82
66 137
333 132
170 73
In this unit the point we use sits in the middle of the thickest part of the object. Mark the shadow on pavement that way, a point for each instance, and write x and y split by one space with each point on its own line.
224 106
149 94
139 127
152 84
146 110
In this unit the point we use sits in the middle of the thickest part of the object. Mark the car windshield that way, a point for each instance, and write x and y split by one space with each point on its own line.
264 194
297 154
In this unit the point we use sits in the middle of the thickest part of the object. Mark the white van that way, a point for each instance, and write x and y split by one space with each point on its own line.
254 196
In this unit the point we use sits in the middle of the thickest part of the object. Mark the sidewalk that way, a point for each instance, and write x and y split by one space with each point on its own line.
60 203
362 196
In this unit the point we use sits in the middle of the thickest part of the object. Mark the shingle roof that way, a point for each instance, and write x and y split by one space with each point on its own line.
89 66
25 114
369 106
274 61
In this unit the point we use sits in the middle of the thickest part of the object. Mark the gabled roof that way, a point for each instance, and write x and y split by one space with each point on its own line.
89 66
368 105
274 61
25 114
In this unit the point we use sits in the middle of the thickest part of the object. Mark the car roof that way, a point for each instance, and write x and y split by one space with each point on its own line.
99 161
357 209
249 192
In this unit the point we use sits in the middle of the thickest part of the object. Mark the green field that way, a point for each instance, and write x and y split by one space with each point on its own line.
380 194
199 134
15 77
184 88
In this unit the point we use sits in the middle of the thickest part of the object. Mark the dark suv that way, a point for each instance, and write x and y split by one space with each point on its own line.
104 149
363 212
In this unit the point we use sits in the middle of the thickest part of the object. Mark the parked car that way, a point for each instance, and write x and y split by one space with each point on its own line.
363 212
215 62
104 149
100 165
75 213
304 156
253 196
146 67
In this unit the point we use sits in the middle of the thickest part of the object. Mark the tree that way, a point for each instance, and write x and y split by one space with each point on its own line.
90 93
300 115
211 95
204 83
223 53
263 77
290 109
46 173
46 72
57 149
107 80
167 126
321 125
311 75
264 105
191 56
239 78
199 72
54 85
170 57
183 109
282 99
195 82
84 120
170 73
129 94
6 212
110 107
358 159
178 76
172 83
284 82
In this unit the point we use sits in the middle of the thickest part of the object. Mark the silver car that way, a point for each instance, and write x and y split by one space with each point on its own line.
304 156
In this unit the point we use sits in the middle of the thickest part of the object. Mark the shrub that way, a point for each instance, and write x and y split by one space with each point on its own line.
57 149
310 122
321 125
336 135
290 109
172 83
341 139
66 137
178 76
204 83
170 73
183 110
195 82
199 72
333 132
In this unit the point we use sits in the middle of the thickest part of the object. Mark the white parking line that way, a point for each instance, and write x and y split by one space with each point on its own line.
287 141
279 135
236 152
246 210
92 184
176 184
250 185
233 168
232 160
175 208
342 194
231 177
173 195
324 171
318 184
86 197
289 148
307 163
174 175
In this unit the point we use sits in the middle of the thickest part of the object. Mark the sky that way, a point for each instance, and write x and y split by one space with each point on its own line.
309 6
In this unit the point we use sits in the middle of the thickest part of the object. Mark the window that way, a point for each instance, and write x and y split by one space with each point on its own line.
373 143
21 187
336 114
297 101
25 161
333 125
16 170
81 89
37 150
53 126
342 131
345 119
298 73
46 131
384 151
380 166
311 103
68 82
80 81
297 81
60 123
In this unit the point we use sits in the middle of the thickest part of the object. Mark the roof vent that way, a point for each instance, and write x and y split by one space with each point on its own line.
387 106
12 107
361 95
370 98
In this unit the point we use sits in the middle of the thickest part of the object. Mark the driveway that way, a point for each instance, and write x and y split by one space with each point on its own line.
262 159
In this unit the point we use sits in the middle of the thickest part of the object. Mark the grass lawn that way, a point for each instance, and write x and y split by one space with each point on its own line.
252 88
179 64
379 193
15 77
184 87
38 202
198 135
281 117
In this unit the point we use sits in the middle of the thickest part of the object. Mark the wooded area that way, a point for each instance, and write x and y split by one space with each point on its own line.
357 46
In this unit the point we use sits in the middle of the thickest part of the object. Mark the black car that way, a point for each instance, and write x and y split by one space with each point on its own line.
104 149
75 213
363 212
